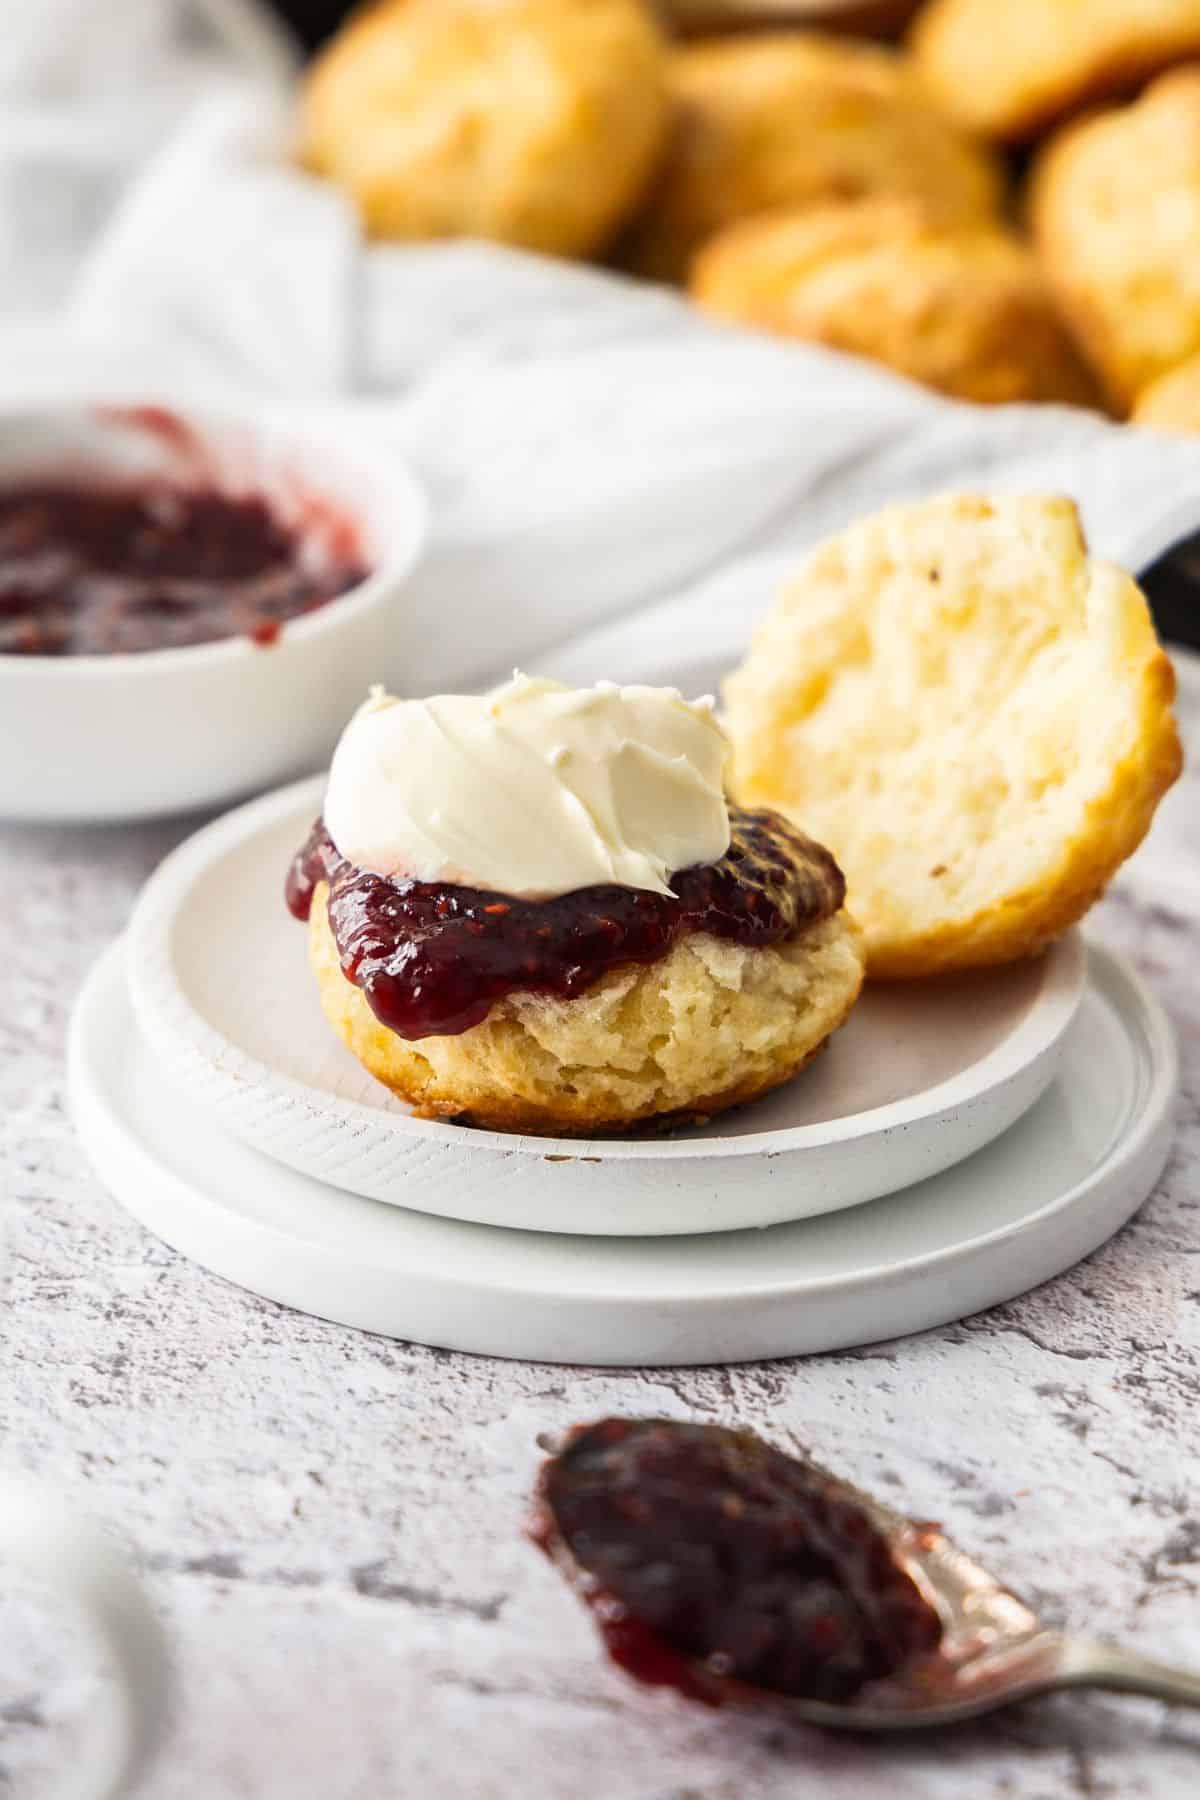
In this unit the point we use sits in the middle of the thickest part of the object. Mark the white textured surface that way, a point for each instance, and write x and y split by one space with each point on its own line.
331 1522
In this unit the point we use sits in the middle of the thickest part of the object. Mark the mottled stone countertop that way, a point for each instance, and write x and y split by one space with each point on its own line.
330 1522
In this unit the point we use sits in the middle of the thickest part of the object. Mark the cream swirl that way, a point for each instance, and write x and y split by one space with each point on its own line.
532 790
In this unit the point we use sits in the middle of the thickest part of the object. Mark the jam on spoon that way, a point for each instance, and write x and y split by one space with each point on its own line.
432 958
717 1564
712 1560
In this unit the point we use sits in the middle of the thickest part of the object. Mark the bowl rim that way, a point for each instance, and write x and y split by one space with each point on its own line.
384 468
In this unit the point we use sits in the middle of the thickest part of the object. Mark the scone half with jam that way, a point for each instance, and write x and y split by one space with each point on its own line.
535 910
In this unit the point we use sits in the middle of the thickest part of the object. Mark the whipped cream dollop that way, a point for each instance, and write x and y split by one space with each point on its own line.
532 790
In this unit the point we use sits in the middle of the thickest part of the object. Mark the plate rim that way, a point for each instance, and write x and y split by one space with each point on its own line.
1141 1144
194 1045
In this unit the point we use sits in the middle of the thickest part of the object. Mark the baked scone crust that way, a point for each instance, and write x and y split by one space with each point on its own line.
535 122
1172 403
708 1026
1006 68
799 119
971 713
964 308
1115 209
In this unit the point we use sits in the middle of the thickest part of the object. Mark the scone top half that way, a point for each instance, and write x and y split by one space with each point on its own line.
1114 202
796 119
959 305
536 907
972 712
1008 68
533 122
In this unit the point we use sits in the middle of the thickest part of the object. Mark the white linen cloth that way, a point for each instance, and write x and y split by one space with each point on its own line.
591 445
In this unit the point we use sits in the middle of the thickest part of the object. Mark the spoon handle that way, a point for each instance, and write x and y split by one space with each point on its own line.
1089 1664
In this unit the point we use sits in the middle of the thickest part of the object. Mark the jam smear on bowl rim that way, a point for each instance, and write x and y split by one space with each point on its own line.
719 1565
432 958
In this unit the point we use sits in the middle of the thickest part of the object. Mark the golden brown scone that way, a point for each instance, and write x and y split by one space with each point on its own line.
961 307
1005 68
536 122
1172 403
1115 207
710 1025
972 714
797 119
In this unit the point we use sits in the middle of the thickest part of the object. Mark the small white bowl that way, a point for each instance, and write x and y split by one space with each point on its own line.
131 735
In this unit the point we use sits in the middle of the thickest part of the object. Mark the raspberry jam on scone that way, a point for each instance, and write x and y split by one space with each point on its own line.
432 957
535 910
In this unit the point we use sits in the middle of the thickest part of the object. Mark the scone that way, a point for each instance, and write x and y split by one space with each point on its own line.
961 307
535 910
536 122
1172 403
1005 68
1115 207
798 119
972 713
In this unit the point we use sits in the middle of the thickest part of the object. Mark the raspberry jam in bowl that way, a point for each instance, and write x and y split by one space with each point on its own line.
190 601
99 569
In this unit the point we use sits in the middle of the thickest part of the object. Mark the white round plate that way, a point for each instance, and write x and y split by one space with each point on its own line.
918 1079
1031 1204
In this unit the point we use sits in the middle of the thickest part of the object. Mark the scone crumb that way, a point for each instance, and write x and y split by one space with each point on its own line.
709 1025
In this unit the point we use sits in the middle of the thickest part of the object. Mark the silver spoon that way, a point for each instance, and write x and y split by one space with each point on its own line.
994 1650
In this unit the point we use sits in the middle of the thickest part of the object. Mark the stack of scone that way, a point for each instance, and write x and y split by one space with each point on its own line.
540 911
813 188
1110 91
536 122
849 193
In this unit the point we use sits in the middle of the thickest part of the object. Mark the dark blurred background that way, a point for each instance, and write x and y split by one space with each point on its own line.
313 20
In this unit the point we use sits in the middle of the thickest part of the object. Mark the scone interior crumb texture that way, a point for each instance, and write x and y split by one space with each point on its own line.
973 716
708 1026
961 307
1005 68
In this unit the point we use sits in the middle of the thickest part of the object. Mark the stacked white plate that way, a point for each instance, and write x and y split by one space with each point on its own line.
959 1142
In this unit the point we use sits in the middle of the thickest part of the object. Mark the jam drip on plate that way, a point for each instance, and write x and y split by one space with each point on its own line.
433 958
714 1563
89 570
